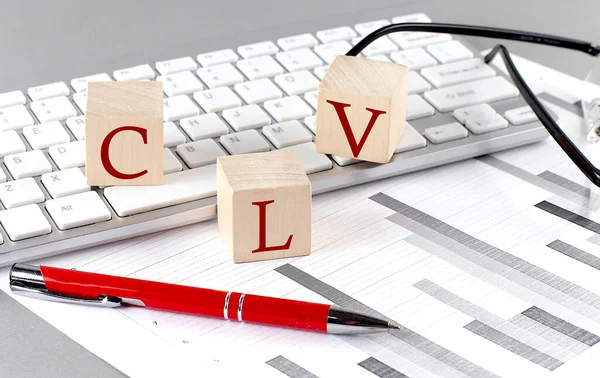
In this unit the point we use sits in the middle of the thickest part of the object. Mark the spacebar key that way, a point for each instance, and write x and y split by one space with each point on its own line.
476 92
180 187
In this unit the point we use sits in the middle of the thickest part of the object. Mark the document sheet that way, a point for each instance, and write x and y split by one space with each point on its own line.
491 266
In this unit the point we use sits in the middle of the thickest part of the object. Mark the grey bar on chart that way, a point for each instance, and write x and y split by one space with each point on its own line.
575 253
380 369
565 183
561 326
404 334
553 281
487 270
549 334
569 216
289 368
513 345
595 239
538 181
511 330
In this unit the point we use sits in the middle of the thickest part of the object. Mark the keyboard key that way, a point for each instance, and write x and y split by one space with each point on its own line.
244 142
218 99
410 40
287 134
171 164
45 135
177 188
476 92
200 153
220 76
414 59
369 27
329 51
297 42
14 118
246 117
137 73
487 124
383 45
2 175
217 57
24 222
27 164
416 108
303 59
450 51
257 49
172 135
53 109
77 210
257 91
336 34
475 111
68 155
297 82
413 17
180 83
416 83
204 126
516 116
80 100
65 183
458 72
77 127
179 107
312 161
411 140
320 72
12 98
311 98
288 108
171 66
80 84
44 92
344 161
445 133
259 68
311 123
381 58
20 193
10 143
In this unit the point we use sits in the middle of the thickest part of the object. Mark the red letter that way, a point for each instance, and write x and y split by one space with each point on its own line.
341 113
262 230
106 159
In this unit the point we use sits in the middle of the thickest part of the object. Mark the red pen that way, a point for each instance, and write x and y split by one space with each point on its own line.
73 286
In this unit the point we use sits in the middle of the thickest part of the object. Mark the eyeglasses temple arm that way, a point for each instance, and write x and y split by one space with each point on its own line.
478 31
586 167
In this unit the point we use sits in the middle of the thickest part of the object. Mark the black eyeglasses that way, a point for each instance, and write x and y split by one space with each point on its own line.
580 160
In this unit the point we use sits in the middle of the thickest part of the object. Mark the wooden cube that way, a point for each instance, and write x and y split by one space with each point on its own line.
361 108
264 205
124 133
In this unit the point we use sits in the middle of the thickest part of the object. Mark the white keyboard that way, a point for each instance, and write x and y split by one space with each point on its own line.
251 98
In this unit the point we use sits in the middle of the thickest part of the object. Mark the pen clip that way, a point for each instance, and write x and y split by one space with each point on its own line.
101 301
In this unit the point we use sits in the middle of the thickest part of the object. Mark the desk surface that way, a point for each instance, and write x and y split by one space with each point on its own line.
63 39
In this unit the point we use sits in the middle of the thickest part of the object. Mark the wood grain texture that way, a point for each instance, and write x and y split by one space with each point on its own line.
117 104
362 84
275 176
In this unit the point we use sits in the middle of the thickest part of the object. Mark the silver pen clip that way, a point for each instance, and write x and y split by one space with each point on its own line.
27 280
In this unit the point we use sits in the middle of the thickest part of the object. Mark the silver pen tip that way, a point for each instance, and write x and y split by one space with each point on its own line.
392 326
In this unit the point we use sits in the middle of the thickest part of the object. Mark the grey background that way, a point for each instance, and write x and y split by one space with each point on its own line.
47 41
